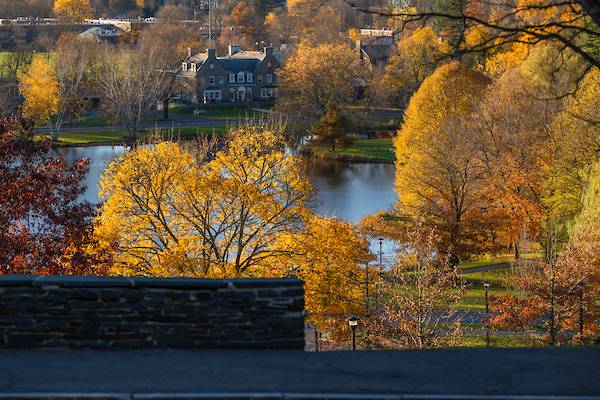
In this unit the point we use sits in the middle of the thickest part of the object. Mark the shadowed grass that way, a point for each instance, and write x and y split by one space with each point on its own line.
105 137
362 150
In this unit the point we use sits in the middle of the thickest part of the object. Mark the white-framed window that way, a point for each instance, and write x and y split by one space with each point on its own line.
269 78
211 80
193 65
220 79
265 93
231 77
212 95
260 78
241 77
268 93
249 77
184 66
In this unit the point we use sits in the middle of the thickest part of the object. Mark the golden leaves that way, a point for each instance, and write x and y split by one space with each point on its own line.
39 86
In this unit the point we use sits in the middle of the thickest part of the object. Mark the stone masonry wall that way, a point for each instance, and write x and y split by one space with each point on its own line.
115 312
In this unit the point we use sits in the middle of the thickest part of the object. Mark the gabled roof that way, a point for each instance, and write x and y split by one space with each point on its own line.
259 55
198 58
238 64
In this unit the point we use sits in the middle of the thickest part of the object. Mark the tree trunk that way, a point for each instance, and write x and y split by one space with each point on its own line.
517 251
166 109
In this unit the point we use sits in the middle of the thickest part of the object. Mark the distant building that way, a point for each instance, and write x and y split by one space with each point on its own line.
104 33
240 76
376 45
9 94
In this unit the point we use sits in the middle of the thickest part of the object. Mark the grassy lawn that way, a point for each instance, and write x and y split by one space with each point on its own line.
497 259
478 340
474 298
363 150
99 137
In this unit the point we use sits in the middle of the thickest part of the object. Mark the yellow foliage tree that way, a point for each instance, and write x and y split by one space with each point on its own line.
576 147
329 255
314 76
511 57
169 213
74 10
418 56
39 86
436 176
514 144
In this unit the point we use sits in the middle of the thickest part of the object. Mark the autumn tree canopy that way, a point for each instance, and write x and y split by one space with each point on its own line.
437 177
418 56
44 227
39 85
75 10
314 76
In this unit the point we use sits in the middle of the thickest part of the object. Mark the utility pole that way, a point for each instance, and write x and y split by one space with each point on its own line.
380 253
486 285
210 4
367 289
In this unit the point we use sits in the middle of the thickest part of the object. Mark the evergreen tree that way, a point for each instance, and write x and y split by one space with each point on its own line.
332 126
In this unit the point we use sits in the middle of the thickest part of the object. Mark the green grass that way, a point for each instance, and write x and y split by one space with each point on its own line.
363 150
100 137
497 259
474 298
496 340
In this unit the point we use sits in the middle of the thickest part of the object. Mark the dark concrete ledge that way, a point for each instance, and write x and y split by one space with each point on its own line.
447 374
142 282
269 396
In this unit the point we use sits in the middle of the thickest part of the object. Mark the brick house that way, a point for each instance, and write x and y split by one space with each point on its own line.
240 76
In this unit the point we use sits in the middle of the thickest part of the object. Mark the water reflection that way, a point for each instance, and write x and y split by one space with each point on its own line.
349 190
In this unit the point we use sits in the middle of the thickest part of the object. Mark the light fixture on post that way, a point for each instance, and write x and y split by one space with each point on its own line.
380 253
353 322
486 286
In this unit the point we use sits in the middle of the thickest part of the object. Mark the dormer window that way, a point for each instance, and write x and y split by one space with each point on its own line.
269 78
260 78
211 80
231 77
184 66
241 77
193 65
249 77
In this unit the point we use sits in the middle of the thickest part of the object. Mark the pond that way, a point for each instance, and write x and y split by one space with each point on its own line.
348 191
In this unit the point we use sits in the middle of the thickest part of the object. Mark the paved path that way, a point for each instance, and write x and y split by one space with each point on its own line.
188 123
564 371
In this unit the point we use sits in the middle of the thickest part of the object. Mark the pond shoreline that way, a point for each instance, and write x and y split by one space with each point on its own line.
355 153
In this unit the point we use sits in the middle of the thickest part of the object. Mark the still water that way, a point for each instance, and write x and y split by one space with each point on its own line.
348 191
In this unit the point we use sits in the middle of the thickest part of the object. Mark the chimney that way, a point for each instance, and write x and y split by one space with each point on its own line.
233 49
268 51
189 52
211 53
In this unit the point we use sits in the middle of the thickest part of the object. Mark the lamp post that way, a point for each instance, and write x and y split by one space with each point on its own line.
353 322
486 286
367 288
580 289
380 253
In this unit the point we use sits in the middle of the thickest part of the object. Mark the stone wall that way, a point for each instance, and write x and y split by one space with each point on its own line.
115 312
